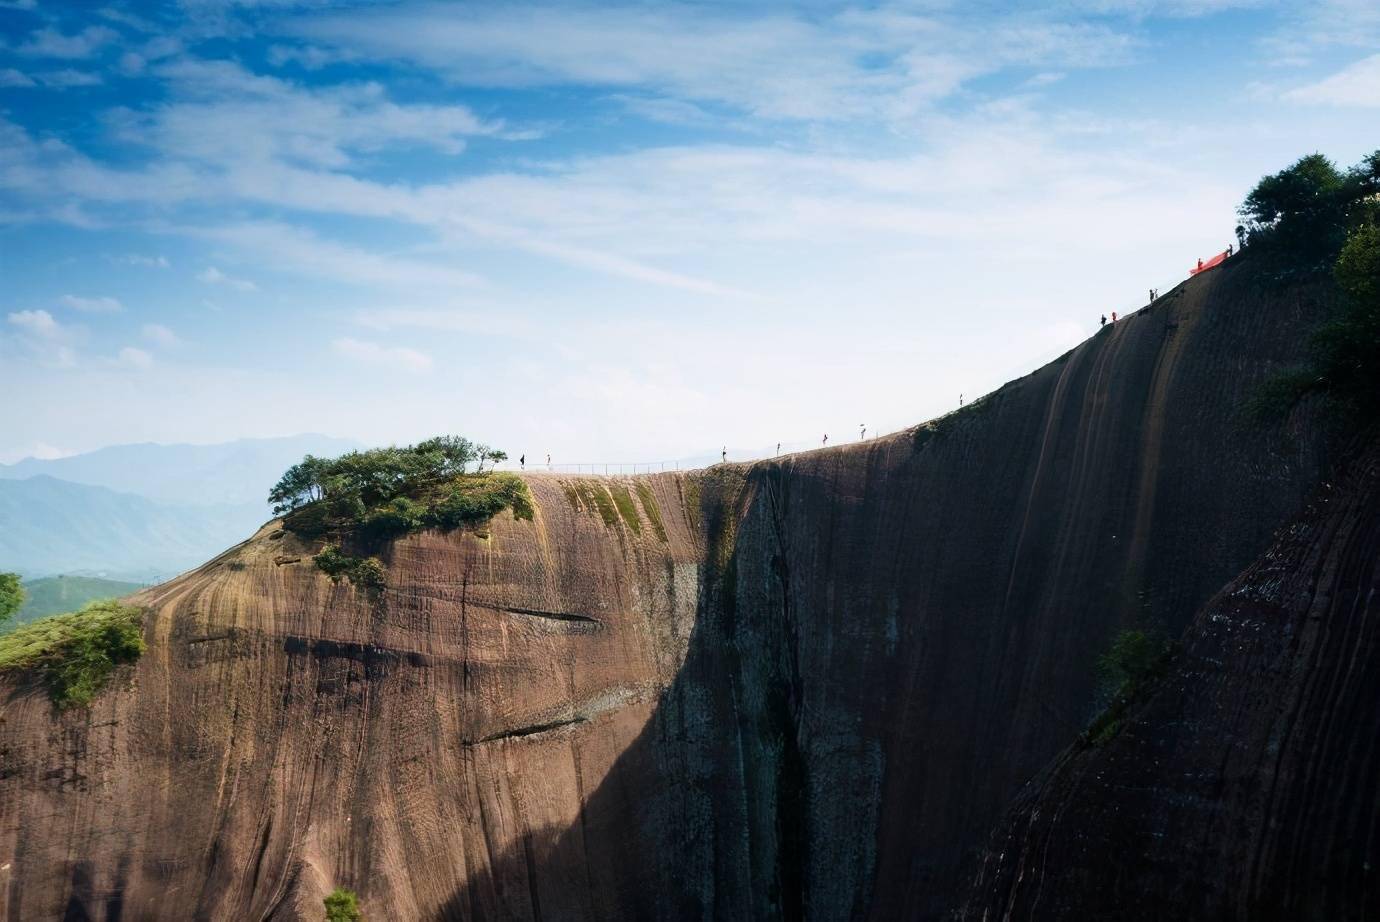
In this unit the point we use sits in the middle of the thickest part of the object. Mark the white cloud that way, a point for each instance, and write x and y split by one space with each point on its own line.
213 276
1356 86
134 358
139 259
38 323
45 338
374 354
161 335
9 77
849 64
99 305
67 78
50 43
224 116
494 321
293 249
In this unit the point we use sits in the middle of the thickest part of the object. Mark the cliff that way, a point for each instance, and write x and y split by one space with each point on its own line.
1247 784
803 687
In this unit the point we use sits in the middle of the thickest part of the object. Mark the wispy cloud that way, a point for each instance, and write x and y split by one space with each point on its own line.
38 323
9 77
1355 86
140 259
46 339
67 78
213 276
375 354
133 357
847 64
98 305
50 43
160 335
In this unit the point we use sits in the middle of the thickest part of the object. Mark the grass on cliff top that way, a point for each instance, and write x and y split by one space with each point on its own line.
76 653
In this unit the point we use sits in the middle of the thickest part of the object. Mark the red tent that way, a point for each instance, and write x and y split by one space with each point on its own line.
1209 264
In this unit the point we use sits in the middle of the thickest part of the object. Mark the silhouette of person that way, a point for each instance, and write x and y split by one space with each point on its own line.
778 448
1113 316
1229 249
1152 296
522 462
724 457
1200 262
1103 321
826 438
960 400
548 462
862 432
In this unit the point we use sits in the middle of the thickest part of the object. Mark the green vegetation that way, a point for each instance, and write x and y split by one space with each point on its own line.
342 906
53 595
78 652
371 497
623 501
11 595
649 506
594 496
1310 218
1134 660
365 573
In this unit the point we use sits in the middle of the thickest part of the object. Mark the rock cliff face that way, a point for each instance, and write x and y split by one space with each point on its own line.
1246 785
808 687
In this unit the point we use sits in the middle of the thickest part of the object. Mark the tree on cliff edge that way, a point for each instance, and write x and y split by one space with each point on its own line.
11 596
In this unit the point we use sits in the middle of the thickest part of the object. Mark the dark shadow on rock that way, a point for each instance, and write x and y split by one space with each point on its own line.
894 637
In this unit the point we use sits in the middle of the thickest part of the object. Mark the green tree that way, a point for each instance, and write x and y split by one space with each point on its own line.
1300 213
11 595
302 483
342 906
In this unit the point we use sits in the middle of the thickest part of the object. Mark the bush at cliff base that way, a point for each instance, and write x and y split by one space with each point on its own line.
77 653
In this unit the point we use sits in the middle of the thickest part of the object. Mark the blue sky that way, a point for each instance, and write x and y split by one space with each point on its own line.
615 232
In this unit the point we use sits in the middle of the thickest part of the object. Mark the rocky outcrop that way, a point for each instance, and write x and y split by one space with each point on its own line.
807 687
1246 785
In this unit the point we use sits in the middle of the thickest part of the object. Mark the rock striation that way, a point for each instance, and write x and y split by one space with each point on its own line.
802 688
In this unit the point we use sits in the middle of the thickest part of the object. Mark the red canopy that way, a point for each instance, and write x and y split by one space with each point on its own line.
1210 264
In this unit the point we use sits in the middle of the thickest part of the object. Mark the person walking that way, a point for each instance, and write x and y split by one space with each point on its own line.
548 461
862 431
778 449
1152 296
1103 321
960 396
1200 264
826 438
724 456
522 462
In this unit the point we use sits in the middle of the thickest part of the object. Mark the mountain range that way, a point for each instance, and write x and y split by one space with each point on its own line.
141 512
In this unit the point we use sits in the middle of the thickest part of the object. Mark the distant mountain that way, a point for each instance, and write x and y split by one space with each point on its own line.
235 473
53 595
50 526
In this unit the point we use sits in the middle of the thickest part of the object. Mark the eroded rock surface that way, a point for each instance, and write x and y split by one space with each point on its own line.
807 687
1247 784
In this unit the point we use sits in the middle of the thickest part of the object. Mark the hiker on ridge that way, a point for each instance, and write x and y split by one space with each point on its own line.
522 461
1113 316
826 438
1103 321
724 457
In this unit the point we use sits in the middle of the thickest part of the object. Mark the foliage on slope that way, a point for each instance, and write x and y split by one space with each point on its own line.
76 653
